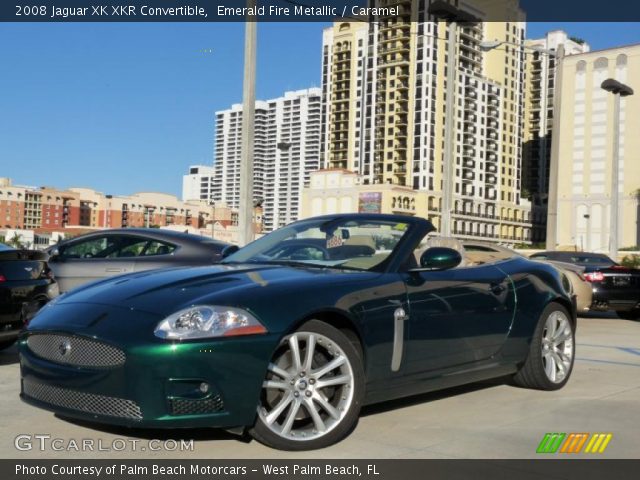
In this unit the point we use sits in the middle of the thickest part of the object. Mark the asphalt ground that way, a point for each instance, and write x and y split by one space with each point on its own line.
486 420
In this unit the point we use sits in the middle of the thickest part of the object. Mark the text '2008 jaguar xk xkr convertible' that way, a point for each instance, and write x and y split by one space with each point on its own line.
289 336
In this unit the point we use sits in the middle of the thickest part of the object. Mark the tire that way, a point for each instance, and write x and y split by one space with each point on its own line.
551 355
630 314
306 405
7 344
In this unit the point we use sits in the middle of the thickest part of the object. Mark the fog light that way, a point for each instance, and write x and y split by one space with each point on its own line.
204 387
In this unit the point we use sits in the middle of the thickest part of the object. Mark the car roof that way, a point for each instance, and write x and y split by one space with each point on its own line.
155 233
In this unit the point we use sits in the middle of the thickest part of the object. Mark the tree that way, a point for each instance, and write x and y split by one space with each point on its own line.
578 40
15 241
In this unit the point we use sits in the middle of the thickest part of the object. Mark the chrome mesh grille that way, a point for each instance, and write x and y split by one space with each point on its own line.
83 402
76 351
185 406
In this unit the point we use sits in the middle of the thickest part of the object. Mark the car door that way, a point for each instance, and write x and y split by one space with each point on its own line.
457 316
90 259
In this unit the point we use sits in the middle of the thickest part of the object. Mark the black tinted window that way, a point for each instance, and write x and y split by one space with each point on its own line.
94 247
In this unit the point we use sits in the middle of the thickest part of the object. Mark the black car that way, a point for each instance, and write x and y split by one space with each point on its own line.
107 253
615 287
26 284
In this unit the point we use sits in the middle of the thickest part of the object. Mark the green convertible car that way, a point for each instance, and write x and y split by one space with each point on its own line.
291 335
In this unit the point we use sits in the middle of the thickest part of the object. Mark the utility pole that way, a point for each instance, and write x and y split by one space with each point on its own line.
554 158
245 214
615 181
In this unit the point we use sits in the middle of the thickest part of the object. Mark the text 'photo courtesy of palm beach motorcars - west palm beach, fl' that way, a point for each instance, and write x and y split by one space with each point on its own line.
413 233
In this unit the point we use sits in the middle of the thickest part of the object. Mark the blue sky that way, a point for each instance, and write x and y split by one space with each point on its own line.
128 107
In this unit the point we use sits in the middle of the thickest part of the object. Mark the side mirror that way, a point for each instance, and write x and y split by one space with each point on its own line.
440 258
228 250
54 254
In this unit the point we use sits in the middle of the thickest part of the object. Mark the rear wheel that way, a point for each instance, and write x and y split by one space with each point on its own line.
313 390
630 314
551 353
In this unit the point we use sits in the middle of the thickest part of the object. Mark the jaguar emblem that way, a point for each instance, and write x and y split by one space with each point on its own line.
64 348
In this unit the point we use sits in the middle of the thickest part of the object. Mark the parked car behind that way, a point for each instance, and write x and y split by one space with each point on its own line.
26 284
481 252
615 287
115 252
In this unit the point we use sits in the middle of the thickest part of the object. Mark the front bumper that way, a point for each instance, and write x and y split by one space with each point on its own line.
214 383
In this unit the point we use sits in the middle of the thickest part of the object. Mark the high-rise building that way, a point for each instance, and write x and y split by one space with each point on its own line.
538 120
286 150
586 151
198 184
384 96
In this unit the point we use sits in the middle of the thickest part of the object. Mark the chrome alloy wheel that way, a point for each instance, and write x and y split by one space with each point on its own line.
557 347
308 389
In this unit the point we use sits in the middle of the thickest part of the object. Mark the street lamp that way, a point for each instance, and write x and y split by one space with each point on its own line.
552 193
444 11
619 90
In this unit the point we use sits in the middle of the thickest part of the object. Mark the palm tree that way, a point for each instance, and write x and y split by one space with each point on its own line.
15 241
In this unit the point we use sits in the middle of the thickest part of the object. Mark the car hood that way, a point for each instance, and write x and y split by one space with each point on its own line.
168 290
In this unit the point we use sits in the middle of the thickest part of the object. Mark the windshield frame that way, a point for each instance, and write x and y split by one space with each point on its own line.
416 229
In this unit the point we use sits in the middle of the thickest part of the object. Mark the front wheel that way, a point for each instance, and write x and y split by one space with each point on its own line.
313 390
551 353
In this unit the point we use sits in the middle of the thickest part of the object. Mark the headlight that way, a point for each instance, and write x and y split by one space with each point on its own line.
204 321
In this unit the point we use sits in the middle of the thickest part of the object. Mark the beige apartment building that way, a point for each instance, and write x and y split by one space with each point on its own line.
384 95
49 208
586 150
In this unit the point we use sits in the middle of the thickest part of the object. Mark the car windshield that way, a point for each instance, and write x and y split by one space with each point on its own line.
341 242
4 247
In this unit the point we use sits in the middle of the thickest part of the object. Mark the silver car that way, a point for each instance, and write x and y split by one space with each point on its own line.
115 252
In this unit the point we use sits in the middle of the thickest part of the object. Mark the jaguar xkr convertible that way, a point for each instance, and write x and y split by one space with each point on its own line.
291 335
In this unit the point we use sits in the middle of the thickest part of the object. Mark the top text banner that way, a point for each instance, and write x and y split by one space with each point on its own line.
317 10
